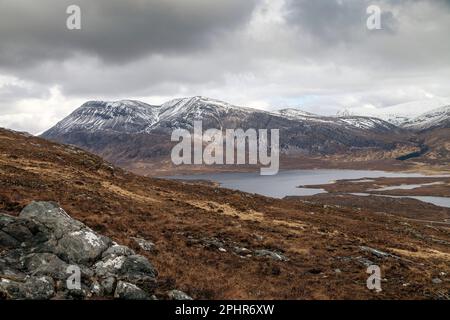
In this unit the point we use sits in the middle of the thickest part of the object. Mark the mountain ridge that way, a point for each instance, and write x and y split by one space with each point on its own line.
404 114
131 131
436 118
148 116
188 107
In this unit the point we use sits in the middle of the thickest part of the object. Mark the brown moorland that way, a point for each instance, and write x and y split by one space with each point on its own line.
215 243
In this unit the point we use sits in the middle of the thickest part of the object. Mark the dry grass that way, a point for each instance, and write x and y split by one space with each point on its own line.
178 217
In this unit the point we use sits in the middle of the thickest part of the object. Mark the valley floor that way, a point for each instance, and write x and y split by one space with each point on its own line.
214 243
160 167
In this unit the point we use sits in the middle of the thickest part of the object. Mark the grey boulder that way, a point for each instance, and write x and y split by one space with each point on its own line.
129 291
42 248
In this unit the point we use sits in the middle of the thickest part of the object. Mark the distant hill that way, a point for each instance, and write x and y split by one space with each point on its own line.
414 115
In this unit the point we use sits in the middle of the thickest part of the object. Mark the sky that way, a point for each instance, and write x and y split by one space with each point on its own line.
316 55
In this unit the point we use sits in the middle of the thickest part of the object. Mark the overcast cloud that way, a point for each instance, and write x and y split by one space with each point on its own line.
314 54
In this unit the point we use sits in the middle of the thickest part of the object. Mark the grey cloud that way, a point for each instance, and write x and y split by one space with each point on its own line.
412 31
115 31
345 20
316 53
85 76
336 21
9 93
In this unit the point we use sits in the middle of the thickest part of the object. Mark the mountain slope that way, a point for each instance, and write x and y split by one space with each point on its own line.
120 116
295 113
130 131
429 121
403 115
215 243
436 118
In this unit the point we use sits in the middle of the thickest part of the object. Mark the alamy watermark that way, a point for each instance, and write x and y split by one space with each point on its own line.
374 280
73 282
73 21
213 146
374 20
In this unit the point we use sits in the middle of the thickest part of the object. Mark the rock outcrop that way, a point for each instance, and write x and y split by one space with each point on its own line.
45 254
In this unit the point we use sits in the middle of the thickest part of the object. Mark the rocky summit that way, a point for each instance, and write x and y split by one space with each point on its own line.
41 248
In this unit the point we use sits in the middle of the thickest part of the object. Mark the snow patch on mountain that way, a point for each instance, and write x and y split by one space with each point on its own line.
345 119
435 118
345 113
401 114
295 113
195 107
365 122
126 115
129 116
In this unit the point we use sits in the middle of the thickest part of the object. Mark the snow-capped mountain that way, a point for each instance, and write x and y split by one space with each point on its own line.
345 113
129 116
367 123
344 119
125 115
129 129
436 118
196 106
192 108
295 113
180 113
400 114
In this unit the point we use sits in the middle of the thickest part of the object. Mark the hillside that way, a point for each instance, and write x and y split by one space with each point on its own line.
222 244
436 118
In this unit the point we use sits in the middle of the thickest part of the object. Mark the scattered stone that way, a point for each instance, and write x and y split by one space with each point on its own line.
137 267
96 289
259 237
41 264
34 288
436 281
379 253
241 251
225 245
118 250
271 254
82 246
178 295
109 265
364 261
144 244
213 243
129 291
108 285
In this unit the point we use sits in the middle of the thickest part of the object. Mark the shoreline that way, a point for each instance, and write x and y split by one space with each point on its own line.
165 168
